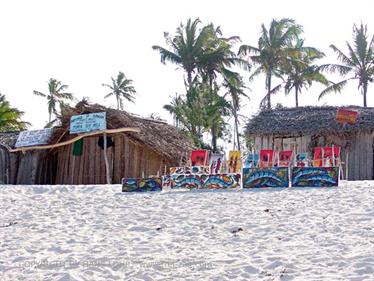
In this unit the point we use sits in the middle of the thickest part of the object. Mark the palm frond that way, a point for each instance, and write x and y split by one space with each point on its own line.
37 93
335 87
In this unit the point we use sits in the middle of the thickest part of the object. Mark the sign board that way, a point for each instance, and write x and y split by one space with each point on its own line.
88 122
346 116
35 137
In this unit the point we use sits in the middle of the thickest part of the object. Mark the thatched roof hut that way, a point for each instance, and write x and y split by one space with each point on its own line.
150 151
304 128
159 136
156 147
308 120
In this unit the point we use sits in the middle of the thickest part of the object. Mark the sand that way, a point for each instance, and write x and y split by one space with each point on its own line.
98 233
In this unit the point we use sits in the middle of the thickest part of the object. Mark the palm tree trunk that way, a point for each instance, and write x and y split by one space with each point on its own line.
189 79
117 102
297 96
269 89
364 90
237 131
214 138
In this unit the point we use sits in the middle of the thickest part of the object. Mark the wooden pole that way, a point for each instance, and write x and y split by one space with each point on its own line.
346 163
73 171
107 169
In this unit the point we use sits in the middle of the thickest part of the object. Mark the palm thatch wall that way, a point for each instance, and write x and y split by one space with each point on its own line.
305 128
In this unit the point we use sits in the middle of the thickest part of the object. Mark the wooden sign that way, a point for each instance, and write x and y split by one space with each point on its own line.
88 122
346 116
35 137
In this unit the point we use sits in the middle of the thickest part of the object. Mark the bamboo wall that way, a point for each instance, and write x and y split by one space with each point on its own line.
359 157
126 159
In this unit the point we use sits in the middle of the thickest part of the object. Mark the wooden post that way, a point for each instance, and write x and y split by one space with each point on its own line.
73 171
346 163
106 160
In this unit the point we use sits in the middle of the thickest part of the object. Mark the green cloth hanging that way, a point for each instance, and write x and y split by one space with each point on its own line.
78 147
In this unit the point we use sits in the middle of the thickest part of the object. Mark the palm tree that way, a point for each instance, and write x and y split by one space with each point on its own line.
185 48
359 61
235 90
300 72
10 117
56 96
189 114
216 109
217 57
121 88
272 51
217 61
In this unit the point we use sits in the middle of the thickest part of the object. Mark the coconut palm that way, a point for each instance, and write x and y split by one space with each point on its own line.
235 90
56 97
121 88
272 51
300 71
359 62
218 57
185 48
189 114
216 62
10 117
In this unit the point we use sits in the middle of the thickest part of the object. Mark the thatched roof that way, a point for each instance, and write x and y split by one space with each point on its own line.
8 139
307 120
159 136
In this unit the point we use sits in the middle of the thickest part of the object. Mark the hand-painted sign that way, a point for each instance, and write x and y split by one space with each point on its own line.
346 116
190 170
141 185
204 181
216 163
199 157
35 137
252 160
265 177
315 176
88 122
234 165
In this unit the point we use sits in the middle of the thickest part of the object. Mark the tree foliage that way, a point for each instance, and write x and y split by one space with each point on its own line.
358 62
10 117
121 88
57 98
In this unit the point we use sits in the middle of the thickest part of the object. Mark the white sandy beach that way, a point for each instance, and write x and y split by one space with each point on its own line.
98 233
